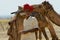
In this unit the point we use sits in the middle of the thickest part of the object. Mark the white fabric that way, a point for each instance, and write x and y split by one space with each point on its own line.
30 23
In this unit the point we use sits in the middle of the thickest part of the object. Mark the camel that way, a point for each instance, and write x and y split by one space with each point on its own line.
43 30
48 23
16 26
40 9
32 30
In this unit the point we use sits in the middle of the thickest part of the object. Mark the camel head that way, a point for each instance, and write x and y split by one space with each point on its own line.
20 11
47 5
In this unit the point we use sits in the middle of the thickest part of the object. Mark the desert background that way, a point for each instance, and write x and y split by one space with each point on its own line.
29 36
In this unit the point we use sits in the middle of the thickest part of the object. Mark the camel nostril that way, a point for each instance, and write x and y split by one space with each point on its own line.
9 23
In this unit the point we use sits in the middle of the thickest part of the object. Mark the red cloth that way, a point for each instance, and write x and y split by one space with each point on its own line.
31 8
28 7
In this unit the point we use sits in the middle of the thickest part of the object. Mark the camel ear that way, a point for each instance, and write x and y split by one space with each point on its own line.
19 8
54 17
